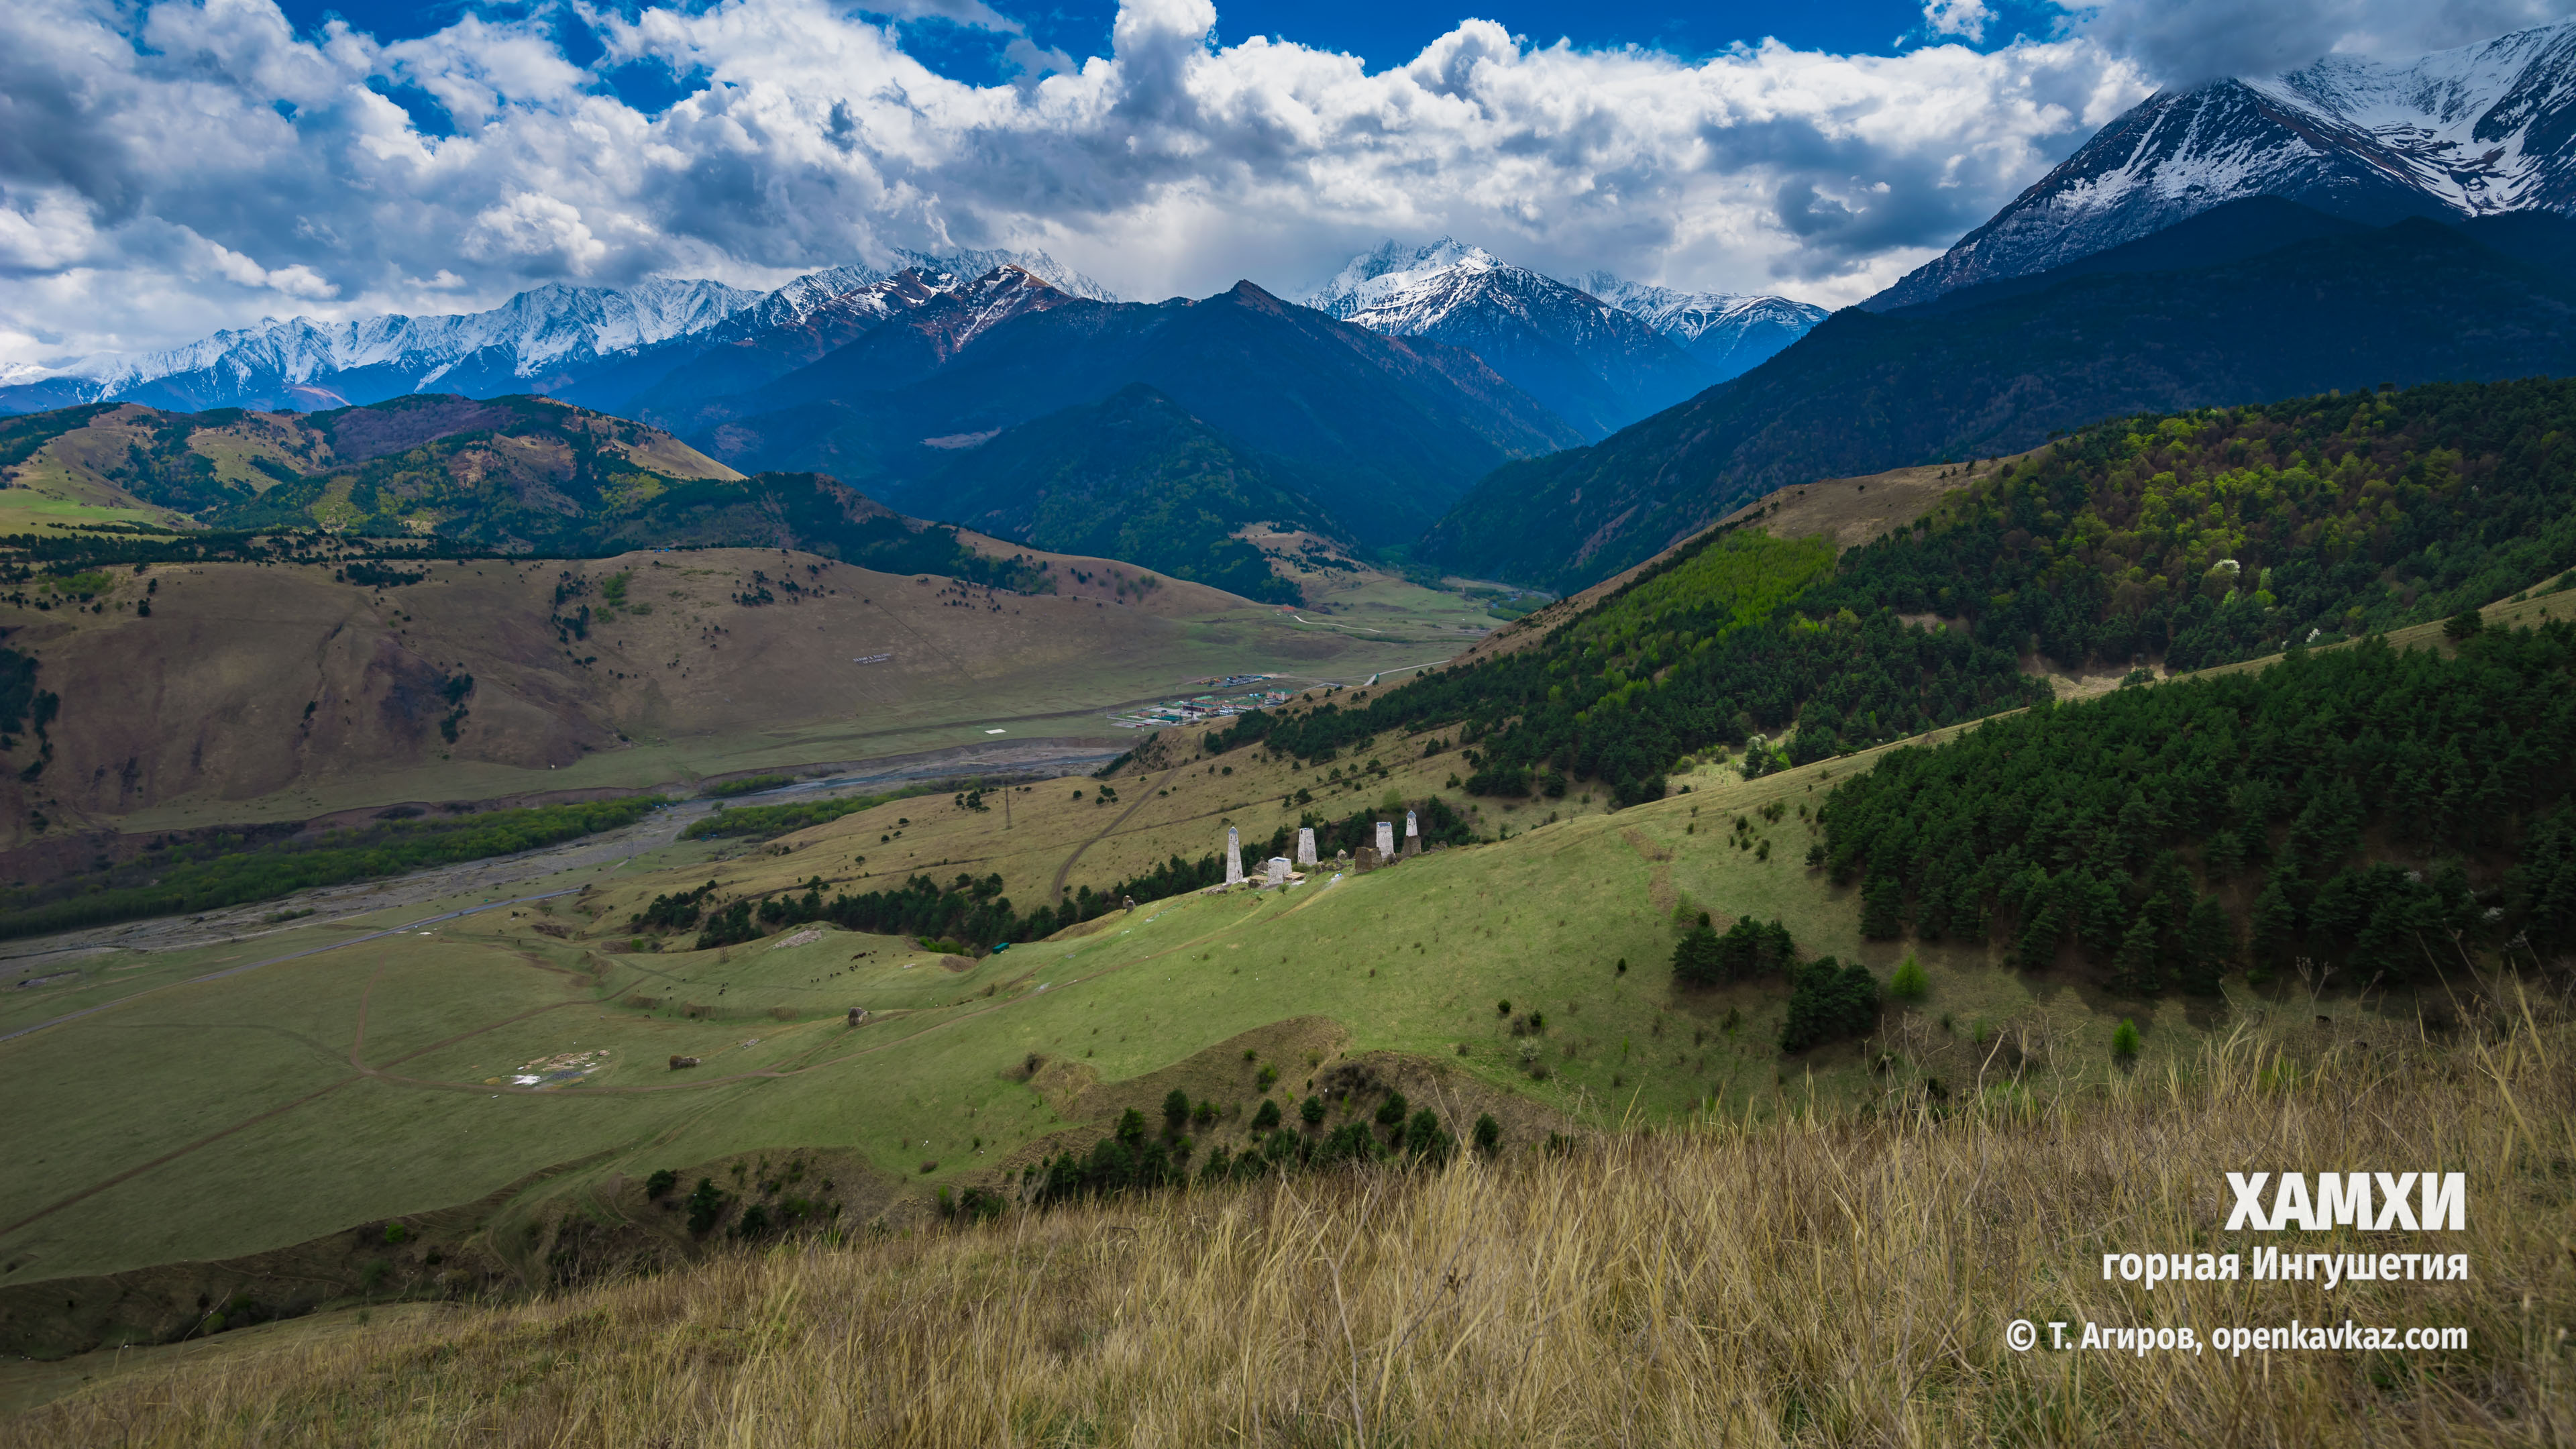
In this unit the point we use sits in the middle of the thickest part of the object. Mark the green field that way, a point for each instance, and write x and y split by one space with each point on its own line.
374 1080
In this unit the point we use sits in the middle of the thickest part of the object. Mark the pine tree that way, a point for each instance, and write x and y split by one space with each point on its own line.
2134 970
2208 946
1882 906
2276 926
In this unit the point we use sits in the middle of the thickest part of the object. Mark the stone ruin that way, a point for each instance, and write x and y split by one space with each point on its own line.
1365 859
1305 846
1233 857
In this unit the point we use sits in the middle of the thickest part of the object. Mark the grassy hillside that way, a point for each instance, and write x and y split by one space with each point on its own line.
1700 1283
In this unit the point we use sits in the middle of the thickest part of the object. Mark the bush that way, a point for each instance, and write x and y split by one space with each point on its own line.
2124 1040
1176 1110
1425 1138
1828 1001
1267 1118
1131 1127
1311 1111
706 1206
2461 625
755 1220
1391 1111
1489 1134
1266 1078
660 1183
1909 983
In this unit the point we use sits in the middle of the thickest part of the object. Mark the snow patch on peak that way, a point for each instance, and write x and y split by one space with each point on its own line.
1375 278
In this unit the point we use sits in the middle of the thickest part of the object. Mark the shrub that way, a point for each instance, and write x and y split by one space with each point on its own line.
1267 1118
1391 1111
2460 626
660 1183
1266 1078
1827 1001
1176 1109
706 1205
1131 1127
1425 1138
1489 1134
396 1234
2124 1040
1909 983
755 1220
1311 1111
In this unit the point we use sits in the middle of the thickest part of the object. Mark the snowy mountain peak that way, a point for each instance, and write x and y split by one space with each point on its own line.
2467 132
1375 278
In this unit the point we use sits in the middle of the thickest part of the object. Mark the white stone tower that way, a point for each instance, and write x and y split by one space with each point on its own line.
1386 840
1305 845
1412 835
1233 858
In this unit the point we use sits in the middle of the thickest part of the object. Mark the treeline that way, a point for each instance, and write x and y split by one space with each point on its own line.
1624 692
2114 823
229 870
768 822
1131 1160
968 914
2200 538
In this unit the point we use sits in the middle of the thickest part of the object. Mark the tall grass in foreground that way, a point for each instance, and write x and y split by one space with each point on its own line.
1826 1282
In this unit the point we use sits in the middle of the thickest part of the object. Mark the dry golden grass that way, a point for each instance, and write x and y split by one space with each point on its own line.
1825 1282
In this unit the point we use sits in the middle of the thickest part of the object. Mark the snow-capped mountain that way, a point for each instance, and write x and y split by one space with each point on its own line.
2459 133
1597 366
1731 333
541 333
549 339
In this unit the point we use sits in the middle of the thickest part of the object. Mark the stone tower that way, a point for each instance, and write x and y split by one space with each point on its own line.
1305 845
1386 840
1233 857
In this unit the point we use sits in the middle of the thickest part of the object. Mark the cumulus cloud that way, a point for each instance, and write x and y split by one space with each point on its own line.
170 168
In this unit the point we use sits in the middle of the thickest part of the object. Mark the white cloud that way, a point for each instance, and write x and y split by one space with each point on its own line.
131 139
1957 17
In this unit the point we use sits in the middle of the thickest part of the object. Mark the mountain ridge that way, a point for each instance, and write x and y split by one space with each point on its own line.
2473 131
2413 302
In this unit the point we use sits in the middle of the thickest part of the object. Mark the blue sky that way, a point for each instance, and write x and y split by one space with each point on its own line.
1383 32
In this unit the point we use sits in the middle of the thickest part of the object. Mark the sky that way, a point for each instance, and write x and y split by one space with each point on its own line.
167 169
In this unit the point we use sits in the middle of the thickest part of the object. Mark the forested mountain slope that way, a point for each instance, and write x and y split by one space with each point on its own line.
2410 303
2378 812
2196 539
1133 477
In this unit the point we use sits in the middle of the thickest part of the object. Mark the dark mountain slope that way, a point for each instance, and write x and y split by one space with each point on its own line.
1381 432
1134 478
2414 302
